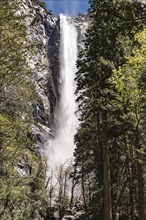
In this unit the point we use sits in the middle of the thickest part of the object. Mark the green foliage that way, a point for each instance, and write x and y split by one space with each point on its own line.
111 78
22 194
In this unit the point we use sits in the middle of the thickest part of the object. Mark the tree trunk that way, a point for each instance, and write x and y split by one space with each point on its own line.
140 178
106 168
131 191
83 187
141 193
73 187
65 184
72 192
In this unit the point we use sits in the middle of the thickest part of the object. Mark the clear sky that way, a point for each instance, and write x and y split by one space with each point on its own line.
67 7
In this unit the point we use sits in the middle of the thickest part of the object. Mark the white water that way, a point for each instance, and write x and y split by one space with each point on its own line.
65 119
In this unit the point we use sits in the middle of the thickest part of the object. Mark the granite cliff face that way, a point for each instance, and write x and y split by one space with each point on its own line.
44 32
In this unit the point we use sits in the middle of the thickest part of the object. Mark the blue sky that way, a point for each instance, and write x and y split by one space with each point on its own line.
67 7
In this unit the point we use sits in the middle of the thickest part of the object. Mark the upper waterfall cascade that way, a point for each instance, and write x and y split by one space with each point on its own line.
66 121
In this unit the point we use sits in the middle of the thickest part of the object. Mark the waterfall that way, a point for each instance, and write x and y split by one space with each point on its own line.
65 119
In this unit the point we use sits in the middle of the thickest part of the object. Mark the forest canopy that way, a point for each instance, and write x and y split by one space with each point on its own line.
110 143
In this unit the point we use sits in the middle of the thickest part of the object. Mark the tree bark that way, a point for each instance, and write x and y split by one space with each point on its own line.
140 178
73 187
141 193
106 168
65 184
131 190
83 187
72 192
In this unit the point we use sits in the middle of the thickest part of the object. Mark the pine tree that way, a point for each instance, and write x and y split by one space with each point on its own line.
129 82
110 39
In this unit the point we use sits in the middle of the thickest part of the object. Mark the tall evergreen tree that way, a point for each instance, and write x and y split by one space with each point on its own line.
110 39
129 81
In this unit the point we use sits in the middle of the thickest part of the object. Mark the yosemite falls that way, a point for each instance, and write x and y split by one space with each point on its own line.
65 120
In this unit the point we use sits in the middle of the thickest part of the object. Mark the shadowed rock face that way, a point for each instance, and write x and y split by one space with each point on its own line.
44 33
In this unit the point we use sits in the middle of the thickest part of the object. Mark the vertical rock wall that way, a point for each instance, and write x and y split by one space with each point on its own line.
44 32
